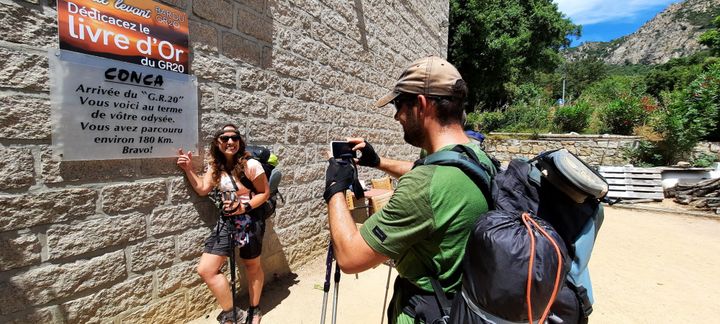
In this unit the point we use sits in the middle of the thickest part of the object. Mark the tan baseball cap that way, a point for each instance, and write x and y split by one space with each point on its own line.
430 75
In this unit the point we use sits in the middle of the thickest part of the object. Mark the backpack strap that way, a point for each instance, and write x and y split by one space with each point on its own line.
442 301
247 183
467 161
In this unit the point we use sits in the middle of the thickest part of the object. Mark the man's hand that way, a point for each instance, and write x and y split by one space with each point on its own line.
369 157
338 177
184 160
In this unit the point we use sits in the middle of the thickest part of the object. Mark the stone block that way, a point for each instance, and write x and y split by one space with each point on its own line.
216 69
308 91
24 70
239 48
151 254
287 109
168 310
254 79
46 284
174 219
42 315
241 103
254 24
16 168
19 250
257 5
190 243
177 276
22 211
77 239
28 25
215 11
133 196
265 131
182 192
200 301
182 4
24 117
54 170
109 302
203 37
267 61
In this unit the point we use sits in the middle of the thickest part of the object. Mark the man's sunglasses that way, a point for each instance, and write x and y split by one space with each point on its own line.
400 99
226 138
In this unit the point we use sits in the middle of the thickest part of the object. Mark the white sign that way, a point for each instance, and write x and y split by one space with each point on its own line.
105 109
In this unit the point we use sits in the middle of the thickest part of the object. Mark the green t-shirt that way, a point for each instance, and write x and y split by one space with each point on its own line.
425 226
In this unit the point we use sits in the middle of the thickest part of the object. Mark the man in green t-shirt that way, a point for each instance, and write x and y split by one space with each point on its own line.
425 226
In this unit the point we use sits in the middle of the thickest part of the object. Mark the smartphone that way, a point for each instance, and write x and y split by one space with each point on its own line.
342 149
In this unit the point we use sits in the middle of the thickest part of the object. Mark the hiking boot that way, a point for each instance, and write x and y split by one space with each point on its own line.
226 317
254 314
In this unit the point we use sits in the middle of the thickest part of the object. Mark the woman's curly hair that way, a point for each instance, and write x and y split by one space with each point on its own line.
236 167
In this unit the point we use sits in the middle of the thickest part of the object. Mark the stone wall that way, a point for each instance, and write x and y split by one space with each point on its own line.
593 149
118 241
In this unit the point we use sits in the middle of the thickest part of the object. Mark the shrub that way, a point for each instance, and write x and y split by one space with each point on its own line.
486 122
644 154
526 118
622 115
573 118
611 88
688 116
704 160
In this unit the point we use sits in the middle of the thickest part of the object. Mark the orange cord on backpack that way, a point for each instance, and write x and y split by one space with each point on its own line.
526 218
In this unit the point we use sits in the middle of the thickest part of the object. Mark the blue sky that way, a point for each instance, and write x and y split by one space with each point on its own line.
610 19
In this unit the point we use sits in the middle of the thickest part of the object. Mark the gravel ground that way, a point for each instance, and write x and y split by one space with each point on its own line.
658 266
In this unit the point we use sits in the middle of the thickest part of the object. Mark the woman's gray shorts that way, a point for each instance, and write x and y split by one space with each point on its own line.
219 241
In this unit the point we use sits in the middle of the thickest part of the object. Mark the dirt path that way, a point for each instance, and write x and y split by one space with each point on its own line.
648 267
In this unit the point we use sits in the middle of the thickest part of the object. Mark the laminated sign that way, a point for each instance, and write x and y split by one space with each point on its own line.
136 31
106 109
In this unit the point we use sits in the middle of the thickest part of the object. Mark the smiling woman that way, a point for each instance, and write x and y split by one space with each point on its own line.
230 173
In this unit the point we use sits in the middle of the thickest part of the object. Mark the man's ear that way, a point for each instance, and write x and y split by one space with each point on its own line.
422 103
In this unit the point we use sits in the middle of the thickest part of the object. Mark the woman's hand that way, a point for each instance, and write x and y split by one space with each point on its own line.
184 160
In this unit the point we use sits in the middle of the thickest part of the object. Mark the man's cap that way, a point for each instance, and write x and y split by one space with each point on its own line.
430 75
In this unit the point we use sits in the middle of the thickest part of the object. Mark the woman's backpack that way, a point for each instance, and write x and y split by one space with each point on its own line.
526 259
269 163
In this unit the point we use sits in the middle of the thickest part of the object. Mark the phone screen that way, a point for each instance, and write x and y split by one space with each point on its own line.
341 149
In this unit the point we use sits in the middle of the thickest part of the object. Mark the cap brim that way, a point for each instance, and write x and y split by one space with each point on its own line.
386 99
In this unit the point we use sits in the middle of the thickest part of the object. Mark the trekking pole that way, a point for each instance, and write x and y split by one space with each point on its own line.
387 288
231 232
335 293
326 286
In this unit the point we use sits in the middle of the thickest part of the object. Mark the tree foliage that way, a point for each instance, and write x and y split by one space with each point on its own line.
498 44
711 38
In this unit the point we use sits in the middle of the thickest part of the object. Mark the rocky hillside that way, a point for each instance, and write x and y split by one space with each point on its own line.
672 33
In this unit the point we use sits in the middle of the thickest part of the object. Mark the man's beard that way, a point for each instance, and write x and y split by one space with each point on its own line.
413 133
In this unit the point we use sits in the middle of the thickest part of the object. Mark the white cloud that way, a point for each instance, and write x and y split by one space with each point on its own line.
588 12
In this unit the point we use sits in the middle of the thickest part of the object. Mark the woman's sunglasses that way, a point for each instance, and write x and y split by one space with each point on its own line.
226 138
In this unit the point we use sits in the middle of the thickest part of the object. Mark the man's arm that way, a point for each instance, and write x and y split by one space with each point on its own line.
353 254
394 168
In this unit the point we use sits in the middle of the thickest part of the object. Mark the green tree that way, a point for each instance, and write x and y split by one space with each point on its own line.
579 75
711 38
498 44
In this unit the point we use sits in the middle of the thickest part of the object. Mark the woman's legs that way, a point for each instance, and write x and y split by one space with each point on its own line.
209 271
256 279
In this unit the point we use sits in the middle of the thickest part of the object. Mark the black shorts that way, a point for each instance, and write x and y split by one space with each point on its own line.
218 243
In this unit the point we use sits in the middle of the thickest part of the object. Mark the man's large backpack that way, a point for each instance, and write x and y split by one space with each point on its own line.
526 259
268 161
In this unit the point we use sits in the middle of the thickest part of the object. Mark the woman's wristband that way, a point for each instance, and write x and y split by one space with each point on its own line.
247 207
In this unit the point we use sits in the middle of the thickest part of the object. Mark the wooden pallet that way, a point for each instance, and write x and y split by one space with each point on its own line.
633 183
